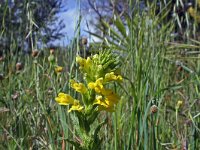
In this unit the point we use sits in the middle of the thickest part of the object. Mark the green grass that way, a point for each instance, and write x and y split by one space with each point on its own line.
153 75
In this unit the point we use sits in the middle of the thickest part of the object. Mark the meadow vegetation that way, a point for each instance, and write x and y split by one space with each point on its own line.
159 105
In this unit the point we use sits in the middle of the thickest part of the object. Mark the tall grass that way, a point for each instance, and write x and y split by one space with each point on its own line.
147 117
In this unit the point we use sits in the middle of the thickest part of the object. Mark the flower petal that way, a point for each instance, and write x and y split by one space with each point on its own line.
64 99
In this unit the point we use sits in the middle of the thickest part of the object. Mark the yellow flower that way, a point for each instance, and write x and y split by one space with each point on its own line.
76 106
99 82
85 64
97 85
91 85
58 69
64 99
110 95
97 89
79 87
119 78
81 61
99 101
104 104
112 77
109 102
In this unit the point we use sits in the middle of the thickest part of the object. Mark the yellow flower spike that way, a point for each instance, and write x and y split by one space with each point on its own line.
64 99
58 69
79 87
76 106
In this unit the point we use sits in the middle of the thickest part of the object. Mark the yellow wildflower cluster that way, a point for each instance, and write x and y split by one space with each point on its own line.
107 102
96 95
79 87
97 85
106 98
98 71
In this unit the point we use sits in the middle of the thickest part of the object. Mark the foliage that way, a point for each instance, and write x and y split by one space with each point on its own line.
25 24
143 38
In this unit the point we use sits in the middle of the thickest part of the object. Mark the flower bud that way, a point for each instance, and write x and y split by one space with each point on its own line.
84 41
179 104
154 109
19 66
52 51
51 58
35 53
58 69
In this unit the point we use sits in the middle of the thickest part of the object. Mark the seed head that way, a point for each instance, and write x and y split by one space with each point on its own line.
154 109
35 53
84 41
15 96
19 66
52 51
